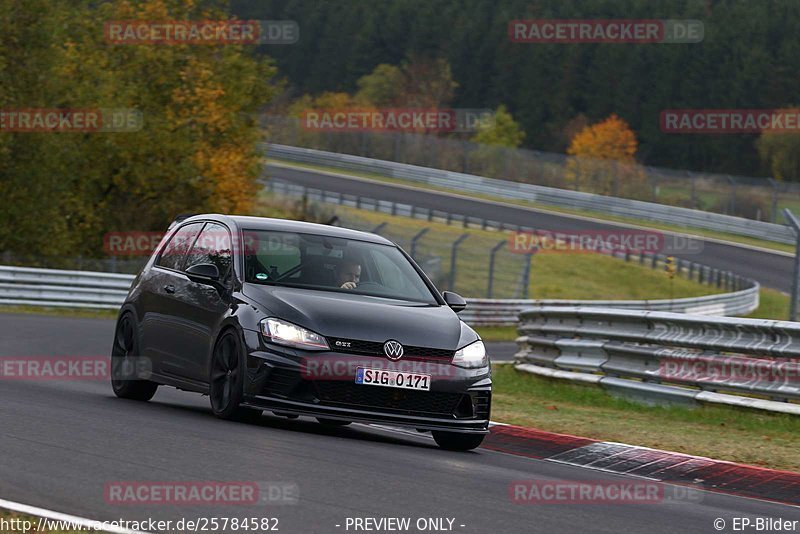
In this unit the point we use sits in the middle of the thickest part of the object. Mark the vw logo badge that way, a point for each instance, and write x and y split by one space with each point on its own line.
393 350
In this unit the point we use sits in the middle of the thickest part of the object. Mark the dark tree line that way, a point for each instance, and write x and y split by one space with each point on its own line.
750 58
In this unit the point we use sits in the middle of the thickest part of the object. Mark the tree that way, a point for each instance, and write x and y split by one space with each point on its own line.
195 152
382 87
780 152
603 155
503 131
417 83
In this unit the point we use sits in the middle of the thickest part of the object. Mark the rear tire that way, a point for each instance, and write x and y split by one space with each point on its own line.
226 379
455 441
332 422
123 352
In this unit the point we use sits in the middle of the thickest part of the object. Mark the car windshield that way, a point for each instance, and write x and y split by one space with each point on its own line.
332 264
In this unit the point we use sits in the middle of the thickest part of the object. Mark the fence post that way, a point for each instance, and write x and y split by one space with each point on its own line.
379 228
492 254
795 224
526 275
694 191
732 202
453 255
414 239
774 185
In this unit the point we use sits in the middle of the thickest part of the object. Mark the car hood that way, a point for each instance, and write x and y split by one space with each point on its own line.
335 314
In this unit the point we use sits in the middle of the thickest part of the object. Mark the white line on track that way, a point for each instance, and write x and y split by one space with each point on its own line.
88 524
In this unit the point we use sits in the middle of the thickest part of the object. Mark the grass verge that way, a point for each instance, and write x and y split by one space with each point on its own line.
553 276
83 313
737 435
566 211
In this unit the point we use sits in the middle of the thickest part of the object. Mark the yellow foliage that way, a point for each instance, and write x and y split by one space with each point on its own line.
604 159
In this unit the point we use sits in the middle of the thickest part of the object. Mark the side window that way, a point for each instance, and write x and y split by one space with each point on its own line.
278 250
212 246
177 247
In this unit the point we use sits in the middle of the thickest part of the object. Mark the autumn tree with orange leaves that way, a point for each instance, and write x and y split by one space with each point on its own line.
603 159
195 152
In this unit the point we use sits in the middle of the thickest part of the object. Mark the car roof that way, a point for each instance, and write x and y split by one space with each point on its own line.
286 225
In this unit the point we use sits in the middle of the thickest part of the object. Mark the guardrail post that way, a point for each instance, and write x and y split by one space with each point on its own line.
795 224
693 188
492 254
453 255
414 240
654 262
641 258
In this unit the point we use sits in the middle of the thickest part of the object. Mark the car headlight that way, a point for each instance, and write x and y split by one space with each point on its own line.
471 356
286 333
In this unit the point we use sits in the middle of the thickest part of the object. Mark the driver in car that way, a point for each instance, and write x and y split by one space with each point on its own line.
348 274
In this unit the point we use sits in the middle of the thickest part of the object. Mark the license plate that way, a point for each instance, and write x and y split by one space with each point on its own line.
393 379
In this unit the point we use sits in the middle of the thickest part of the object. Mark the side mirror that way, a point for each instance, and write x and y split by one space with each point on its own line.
454 300
203 272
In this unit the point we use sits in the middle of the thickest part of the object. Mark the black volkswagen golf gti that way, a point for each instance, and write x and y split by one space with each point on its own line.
302 319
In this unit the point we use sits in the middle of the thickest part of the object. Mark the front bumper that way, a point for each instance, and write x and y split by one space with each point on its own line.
322 384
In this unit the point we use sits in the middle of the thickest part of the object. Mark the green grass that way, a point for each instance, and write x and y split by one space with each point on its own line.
738 435
497 333
772 305
553 276
84 313
568 211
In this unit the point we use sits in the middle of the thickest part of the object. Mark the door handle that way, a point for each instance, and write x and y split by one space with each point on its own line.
169 288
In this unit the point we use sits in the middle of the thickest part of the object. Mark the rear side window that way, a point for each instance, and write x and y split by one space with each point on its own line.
178 245
213 246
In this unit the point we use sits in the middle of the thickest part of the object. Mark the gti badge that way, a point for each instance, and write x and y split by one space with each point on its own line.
393 350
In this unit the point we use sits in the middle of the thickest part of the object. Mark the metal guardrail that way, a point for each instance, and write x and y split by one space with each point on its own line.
506 312
88 289
74 289
662 357
637 209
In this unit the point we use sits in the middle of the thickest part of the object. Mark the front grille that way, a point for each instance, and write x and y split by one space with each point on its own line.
407 402
374 348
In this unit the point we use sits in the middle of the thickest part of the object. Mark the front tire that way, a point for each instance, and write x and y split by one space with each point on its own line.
455 441
227 378
124 353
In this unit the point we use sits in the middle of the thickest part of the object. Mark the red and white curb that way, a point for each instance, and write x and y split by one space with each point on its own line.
664 466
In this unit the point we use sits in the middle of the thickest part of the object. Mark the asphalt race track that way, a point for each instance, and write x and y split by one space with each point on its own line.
63 441
770 269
